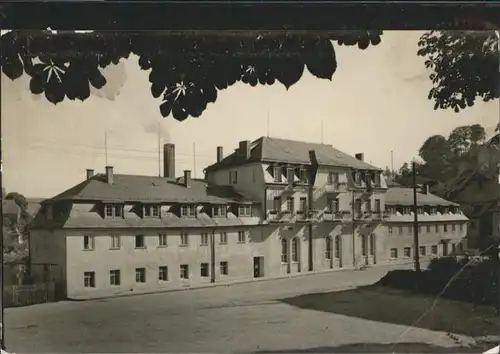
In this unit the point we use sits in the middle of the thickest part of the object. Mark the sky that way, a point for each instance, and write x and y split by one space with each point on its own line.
375 103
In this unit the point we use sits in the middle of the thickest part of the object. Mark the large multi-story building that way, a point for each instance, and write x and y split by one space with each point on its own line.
322 207
272 208
442 226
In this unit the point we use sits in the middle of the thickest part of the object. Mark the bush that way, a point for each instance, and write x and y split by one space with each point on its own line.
477 283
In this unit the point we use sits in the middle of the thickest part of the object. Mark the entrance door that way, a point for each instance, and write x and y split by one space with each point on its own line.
258 267
445 249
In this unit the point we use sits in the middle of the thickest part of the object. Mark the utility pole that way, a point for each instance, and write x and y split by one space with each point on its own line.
416 254
194 160
2 312
159 149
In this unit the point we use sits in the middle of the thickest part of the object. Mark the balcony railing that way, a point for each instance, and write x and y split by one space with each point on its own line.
335 187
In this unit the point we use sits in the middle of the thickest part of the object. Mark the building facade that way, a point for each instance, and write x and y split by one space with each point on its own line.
442 226
272 208
323 208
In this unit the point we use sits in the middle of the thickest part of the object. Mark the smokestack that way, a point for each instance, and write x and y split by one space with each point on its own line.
169 160
109 174
245 149
90 173
220 154
187 177
360 156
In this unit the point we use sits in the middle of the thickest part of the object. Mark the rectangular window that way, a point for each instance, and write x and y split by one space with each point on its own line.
358 206
223 237
254 179
289 204
377 205
453 228
419 230
461 227
277 204
394 253
204 239
428 228
89 279
163 273
115 242
184 239
377 179
407 252
410 230
303 176
453 248
303 205
184 271
162 240
146 211
434 249
219 211
114 277
140 241
188 211
390 230
332 178
224 268
140 275
241 237
422 250
445 228
235 177
368 205
278 177
155 210
437 228
400 230
332 205
245 210
113 210
204 270
88 243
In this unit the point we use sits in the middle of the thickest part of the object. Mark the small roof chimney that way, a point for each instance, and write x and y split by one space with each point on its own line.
244 149
360 156
187 177
220 154
109 174
90 173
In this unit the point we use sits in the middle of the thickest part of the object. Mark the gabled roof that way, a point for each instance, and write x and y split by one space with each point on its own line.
133 188
404 196
267 149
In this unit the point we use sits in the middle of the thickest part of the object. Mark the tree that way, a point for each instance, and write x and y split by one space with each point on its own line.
186 70
464 67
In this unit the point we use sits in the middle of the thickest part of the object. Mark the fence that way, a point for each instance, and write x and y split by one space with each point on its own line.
30 294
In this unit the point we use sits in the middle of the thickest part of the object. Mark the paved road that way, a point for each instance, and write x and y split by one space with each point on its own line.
238 318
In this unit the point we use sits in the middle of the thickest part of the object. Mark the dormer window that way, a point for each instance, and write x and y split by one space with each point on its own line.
113 210
377 179
245 210
151 210
357 178
278 177
188 211
219 211
433 211
233 177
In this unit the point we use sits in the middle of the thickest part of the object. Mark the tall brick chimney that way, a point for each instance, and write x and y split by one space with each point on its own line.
220 153
187 177
360 156
169 160
90 173
109 174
